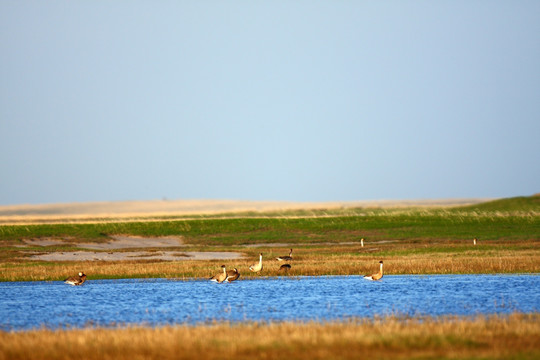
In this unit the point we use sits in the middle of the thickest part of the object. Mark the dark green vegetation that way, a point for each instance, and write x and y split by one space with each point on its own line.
519 205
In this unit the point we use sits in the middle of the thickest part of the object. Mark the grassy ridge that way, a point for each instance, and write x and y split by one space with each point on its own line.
413 226
518 204
516 336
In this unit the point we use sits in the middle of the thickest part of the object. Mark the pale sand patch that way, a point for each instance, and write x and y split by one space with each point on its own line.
135 255
117 242
44 242
127 241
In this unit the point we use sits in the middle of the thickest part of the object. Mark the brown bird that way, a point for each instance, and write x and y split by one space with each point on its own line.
232 274
76 280
257 266
285 258
376 276
221 277
285 268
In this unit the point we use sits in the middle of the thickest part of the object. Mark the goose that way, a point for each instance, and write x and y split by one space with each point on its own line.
233 275
284 268
377 276
257 266
285 258
221 277
76 280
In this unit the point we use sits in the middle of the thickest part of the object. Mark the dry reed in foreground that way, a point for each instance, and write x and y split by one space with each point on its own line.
515 336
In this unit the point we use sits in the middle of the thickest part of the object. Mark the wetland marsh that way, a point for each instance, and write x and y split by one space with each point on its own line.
432 271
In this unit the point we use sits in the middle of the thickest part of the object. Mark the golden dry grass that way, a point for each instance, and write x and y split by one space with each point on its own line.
398 258
495 337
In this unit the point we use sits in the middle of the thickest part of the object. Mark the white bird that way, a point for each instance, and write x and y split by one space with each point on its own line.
376 276
76 280
257 266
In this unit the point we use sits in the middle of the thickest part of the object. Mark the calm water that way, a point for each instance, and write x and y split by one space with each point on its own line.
26 305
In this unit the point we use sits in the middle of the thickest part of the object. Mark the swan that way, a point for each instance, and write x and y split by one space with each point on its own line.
285 258
76 280
221 277
257 266
376 276
233 275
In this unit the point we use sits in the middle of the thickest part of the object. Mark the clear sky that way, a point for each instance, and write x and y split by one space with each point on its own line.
268 100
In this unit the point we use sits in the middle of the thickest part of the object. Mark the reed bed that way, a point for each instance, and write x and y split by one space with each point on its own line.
515 336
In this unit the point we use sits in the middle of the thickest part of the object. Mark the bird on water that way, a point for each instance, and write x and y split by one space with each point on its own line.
76 280
221 277
232 274
376 276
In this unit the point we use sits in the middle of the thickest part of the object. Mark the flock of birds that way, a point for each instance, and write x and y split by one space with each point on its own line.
232 275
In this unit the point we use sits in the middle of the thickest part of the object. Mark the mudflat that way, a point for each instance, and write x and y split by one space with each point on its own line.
106 250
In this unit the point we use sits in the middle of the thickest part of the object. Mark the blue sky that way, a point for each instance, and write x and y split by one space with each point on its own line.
276 100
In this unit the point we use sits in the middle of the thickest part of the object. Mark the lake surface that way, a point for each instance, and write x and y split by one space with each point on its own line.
157 302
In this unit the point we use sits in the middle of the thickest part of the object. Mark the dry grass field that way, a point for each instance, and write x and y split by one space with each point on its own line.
308 261
498 337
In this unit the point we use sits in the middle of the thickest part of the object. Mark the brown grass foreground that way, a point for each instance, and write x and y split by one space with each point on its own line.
516 336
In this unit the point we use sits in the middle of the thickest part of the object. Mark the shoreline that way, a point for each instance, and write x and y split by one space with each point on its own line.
274 277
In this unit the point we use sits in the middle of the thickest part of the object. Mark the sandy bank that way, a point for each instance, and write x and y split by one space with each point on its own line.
135 255
118 242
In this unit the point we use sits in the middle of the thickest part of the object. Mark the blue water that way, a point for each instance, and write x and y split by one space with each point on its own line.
156 302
